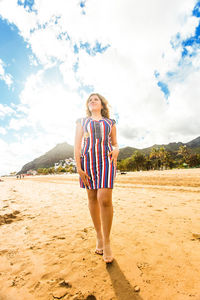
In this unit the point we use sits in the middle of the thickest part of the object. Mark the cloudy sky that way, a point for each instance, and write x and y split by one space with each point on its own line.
143 56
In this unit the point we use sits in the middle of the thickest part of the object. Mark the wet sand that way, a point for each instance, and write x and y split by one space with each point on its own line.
47 239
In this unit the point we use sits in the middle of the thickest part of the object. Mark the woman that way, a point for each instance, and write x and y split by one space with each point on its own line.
96 161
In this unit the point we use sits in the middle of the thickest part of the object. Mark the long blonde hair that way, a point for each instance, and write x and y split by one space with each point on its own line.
105 112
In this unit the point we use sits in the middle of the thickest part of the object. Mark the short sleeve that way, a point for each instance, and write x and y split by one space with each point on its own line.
79 120
113 122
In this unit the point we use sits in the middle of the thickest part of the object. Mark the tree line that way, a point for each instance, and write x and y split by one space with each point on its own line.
52 170
160 159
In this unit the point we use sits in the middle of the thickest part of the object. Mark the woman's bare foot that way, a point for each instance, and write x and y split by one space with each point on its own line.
107 253
99 246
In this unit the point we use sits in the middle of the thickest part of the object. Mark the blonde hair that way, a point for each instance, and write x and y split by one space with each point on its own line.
105 112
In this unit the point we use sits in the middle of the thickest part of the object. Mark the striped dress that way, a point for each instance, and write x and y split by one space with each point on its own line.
96 145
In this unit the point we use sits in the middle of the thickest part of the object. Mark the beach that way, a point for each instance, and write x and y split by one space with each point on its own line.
47 238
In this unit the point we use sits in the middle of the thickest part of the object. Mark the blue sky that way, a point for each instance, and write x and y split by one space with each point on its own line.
52 56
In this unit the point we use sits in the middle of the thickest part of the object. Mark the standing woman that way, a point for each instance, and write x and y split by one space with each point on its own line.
96 161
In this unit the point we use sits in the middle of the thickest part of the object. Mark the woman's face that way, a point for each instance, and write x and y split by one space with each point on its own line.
94 104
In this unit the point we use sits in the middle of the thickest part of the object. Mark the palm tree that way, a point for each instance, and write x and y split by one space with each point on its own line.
184 152
139 160
162 155
155 156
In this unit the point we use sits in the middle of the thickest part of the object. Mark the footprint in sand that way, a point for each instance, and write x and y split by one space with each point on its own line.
5 206
31 217
61 287
91 297
58 237
83 233
6 200
9 218
4 251
87 229
80 235
142 265
48 276
171 233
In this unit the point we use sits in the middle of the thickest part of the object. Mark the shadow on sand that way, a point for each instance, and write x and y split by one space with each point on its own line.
122 287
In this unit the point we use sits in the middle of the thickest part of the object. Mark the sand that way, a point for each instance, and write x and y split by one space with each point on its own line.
47 239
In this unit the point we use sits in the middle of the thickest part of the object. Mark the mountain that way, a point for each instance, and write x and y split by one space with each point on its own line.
64 150
126 152
193 145
59 152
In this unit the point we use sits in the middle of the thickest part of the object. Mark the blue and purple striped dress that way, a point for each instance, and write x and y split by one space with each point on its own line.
96 145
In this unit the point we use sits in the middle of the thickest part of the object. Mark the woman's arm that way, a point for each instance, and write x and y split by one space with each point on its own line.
77 153
114 137
115 151
77 145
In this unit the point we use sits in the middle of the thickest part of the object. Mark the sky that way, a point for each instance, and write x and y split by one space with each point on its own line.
142 56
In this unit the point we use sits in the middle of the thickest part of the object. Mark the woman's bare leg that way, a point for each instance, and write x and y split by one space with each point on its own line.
94 208
104 197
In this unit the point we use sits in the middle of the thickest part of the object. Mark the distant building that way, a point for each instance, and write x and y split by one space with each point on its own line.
31 172
65 162
12 174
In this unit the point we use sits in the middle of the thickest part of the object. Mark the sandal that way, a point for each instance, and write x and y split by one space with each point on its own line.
99 251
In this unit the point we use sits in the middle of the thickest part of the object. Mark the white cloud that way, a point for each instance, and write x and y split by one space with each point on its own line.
69 76
16 14
181 118
3 131
18 124
5 110
5 76
50 107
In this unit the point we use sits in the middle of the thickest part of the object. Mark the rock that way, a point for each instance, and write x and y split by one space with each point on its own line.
65 284
59 294
196 235
136 288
